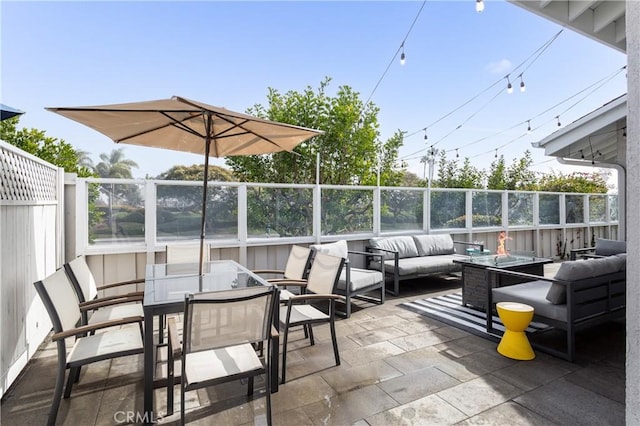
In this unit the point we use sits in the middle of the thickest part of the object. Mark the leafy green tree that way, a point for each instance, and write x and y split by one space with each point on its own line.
52 150
518 176
349 148
453 175
593 182
196 172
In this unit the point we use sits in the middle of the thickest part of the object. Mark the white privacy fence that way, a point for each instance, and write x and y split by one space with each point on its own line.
31 247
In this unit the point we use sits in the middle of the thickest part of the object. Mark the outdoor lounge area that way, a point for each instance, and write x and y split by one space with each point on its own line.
396 364
398 367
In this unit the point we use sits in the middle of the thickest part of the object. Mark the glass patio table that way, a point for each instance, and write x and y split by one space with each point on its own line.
165 288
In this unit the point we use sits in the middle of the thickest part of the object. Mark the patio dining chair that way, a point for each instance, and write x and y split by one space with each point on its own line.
294 273
321 285
99 309
61 303
356 283
220 333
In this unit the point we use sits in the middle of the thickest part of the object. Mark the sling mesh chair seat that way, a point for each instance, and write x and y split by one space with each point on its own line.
220 333
321 285
99 309
61 302
294 273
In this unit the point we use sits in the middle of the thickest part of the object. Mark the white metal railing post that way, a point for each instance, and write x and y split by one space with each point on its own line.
243 227
82 216
505 211
537 246
377 199
150 219
468 210
426 211
317 213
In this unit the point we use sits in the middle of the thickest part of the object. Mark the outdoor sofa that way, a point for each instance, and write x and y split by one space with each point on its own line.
409 257
582 293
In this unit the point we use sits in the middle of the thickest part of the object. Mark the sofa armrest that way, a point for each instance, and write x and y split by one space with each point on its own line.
478 245
573 254
531 277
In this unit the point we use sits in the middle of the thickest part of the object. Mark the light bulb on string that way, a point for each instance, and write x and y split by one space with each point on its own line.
402 55
425 134
528 126
496 154
457 155
558 118
479 6
509 85
581 155
522 86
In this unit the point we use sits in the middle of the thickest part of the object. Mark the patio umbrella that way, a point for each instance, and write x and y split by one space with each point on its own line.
184 125
7 112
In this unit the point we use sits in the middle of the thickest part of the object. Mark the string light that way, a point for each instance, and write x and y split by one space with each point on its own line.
581 155
425 134
558 118
457 155
496 154
522 86
479 6
402 55
509 85
528 126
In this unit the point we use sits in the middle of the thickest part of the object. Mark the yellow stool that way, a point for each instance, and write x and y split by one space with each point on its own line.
516 318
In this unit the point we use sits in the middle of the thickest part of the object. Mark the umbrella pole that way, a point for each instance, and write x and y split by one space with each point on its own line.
207 148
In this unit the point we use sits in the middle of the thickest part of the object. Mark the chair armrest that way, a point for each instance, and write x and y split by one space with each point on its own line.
479 245
83 330
121 283
287 282
314 296
92 305
268 271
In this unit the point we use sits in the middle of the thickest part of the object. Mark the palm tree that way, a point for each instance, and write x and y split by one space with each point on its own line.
114 165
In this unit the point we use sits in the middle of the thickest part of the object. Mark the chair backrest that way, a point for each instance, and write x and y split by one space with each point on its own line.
82 279
227 318
60 300
324 274
298 263
186 253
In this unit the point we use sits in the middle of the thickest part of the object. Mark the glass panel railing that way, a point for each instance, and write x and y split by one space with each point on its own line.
487 209
179 212
574 208
549 207
520 209
597 208
279 212
116 213
448 209
346 211
401 210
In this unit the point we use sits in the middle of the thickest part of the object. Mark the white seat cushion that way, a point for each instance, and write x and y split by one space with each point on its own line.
216 363
301 313
98 346
109 313
360 278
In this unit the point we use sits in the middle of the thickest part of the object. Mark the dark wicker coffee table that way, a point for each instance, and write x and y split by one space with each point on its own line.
474 280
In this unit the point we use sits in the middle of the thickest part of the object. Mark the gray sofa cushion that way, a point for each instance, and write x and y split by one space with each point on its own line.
433 245
606 247
360 278
577 270
531 293
405 246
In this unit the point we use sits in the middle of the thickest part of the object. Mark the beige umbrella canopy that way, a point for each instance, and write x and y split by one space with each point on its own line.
184 125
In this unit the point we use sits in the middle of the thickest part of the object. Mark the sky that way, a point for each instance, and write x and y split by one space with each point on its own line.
228 54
